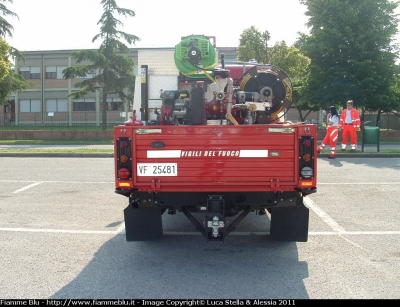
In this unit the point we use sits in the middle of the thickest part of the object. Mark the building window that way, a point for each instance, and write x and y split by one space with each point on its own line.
89 75
87 104
30 72
55 72
29 105
56 105
113 104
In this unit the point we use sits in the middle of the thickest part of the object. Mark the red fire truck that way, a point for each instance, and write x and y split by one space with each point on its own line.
219 148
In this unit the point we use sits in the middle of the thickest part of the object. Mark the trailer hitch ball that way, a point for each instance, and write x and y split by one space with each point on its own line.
215 224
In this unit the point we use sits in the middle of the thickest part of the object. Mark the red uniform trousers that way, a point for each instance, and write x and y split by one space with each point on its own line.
349 130
331 139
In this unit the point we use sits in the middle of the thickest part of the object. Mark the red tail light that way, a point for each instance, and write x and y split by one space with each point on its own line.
307 143
124 173
124 158
306 151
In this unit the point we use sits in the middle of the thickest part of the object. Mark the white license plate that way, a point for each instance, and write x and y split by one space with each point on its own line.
157 169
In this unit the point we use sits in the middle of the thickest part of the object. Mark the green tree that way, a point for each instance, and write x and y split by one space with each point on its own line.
290 59
295 64
253 44
352 54
4 59
115 69
11 81
393 105
6 28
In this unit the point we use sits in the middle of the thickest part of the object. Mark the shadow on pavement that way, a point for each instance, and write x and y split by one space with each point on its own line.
182 267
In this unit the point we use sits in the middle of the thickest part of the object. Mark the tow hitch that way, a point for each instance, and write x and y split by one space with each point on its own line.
215 227
215 224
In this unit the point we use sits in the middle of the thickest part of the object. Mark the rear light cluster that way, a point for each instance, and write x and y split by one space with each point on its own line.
306 156
124 159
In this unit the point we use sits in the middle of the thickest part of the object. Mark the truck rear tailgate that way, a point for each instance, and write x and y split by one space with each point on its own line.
215 158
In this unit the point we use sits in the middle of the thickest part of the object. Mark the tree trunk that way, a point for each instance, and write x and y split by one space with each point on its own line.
300 116
104 112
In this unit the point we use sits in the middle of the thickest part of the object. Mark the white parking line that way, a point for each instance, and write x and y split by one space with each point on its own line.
325 217
59 231
328 220
28 187
337 230
60 181
121 231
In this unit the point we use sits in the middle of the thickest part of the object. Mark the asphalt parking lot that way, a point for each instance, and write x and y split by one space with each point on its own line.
62 236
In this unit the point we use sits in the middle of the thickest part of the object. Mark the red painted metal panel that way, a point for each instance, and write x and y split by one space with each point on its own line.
219 158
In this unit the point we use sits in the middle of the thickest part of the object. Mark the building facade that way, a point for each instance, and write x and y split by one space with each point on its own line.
47 101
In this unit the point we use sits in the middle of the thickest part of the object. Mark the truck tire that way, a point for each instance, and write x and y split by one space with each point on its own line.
143 224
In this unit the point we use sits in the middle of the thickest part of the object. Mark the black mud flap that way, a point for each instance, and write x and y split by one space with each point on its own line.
290 223
143 224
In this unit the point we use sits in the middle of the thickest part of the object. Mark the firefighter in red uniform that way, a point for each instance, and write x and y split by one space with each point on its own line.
349 123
